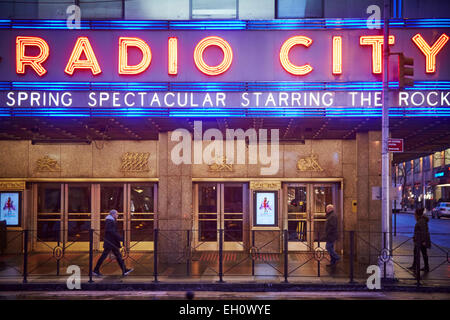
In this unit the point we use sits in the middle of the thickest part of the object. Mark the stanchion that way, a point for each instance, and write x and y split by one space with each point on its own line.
221 256
286 263
155 256
384 263
352 256
25 256
57 260
253 253
318 260
188 251
91 253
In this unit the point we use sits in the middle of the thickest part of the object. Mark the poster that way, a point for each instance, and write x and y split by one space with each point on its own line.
265 209
9 208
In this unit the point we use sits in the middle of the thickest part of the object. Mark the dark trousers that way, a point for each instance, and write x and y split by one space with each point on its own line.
105 253
417 250
333 255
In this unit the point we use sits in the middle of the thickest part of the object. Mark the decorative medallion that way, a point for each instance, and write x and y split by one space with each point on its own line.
47 164
135 162
310 163
221 165
265 185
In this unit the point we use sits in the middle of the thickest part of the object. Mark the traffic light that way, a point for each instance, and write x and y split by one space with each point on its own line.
405 70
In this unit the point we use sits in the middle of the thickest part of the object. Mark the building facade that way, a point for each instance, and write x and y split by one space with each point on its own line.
122 108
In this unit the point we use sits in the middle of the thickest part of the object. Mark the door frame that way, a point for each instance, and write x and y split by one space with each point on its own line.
310 210
220 204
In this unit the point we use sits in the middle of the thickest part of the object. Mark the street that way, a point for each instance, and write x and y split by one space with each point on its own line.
439 228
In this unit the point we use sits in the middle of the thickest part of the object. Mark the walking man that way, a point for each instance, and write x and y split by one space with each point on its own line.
422 240
331 234
111 243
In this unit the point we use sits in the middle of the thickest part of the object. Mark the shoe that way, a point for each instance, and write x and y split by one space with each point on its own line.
412 268
331 264
97 273
127 272
425 269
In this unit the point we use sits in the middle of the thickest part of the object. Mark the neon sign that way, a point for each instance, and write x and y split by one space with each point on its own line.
430 52
124 43
32 53
34 62
82 46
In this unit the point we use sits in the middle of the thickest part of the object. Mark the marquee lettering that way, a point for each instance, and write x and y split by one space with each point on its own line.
83 56
82 46
34 62
124 43
430 52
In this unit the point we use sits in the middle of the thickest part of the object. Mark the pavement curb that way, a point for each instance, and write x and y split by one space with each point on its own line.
225 287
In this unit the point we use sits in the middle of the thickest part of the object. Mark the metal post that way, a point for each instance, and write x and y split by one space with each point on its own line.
91 253
253 253
318 260
25 256
352 256
188 252
286 261
395 201
57 259
384 247
417 258
155 256
385 160
221 255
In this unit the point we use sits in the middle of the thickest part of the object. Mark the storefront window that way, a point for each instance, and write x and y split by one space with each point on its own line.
437 159
447 156
214 9
426 163
416 164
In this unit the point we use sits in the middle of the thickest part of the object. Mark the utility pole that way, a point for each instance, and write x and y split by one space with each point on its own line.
386 239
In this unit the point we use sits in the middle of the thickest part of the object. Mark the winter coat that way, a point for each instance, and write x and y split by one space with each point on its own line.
112 238
421 233
331 227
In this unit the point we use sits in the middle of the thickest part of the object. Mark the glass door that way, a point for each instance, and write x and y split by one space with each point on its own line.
111 197
298 211
141 221
219 206
232 215
49 216
78 216
306 216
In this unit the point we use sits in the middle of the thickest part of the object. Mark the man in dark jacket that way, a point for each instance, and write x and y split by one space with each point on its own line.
111 243
421 240
331 234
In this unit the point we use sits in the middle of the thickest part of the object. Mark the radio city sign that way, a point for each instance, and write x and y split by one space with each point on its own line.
228 56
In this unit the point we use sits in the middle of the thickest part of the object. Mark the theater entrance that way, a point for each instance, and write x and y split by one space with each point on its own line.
306 216
65 212
220 206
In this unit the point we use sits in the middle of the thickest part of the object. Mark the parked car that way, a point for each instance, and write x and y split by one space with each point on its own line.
442 210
